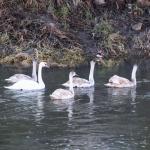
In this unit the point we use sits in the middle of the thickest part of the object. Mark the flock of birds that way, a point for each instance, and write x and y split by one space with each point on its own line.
25 82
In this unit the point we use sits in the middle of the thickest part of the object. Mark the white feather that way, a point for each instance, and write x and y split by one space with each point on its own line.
64 93
119 82
83 83
18 77
30 84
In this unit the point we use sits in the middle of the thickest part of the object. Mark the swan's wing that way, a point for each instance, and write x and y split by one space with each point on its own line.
80 81
61 94
130 84
114 79
24 85
118 80
111 84
77 82
18 77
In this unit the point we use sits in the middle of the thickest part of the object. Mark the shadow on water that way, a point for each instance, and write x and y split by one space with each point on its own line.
97 118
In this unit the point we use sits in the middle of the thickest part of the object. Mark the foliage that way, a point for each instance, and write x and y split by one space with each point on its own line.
110 41
103 28
54 28
4 38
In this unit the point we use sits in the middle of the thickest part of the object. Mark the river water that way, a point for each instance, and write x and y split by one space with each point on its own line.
98 118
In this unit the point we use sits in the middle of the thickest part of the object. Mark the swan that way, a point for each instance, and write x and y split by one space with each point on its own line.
30 84
18 77
119 82
83 83
64 93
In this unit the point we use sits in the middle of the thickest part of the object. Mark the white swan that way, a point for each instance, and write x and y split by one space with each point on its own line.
83 83
119 82
18 77
64 93
30 84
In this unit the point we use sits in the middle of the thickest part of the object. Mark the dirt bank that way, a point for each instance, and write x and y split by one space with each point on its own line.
66 33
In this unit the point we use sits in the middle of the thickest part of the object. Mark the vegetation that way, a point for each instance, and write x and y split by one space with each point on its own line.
54 29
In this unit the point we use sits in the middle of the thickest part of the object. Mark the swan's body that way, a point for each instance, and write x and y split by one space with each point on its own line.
64 93
17 77
119 82
83 83
30 84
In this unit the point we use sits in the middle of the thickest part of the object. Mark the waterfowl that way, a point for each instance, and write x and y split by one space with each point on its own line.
119 82
30 84
18 77
83 83
65 93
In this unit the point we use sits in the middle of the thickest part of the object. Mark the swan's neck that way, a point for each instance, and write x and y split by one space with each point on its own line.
34 76
40 80
71 84
91 74
133 75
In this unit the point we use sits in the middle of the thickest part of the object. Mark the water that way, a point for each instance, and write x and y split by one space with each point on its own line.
99 118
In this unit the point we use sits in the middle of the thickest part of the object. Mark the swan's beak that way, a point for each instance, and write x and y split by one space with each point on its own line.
47 66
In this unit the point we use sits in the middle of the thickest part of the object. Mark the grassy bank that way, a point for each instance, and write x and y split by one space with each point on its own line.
69 33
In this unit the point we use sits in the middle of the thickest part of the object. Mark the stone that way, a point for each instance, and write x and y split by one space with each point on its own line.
143 3
137 27
99 2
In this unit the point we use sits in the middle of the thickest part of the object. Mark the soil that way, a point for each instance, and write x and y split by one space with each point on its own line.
65 34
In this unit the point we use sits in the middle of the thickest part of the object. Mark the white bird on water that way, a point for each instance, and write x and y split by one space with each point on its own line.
83 83
64 93
18 77
30 84
120 82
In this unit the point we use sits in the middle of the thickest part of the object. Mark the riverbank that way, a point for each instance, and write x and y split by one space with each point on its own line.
70 34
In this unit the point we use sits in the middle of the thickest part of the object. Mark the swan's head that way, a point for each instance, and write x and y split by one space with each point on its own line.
44 64
72 74
92 62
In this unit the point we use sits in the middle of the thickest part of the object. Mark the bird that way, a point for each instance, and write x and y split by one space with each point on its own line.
83 83
17 77
30 84
63 94
120 82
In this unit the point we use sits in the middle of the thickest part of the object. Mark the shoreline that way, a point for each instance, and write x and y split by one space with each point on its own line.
69 35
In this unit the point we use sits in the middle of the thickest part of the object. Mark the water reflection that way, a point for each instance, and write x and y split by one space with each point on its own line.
29 100
86 91
120 96
66 105
122 92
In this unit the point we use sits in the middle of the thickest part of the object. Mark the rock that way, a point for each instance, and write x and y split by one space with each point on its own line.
137 27
99 2
143 3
